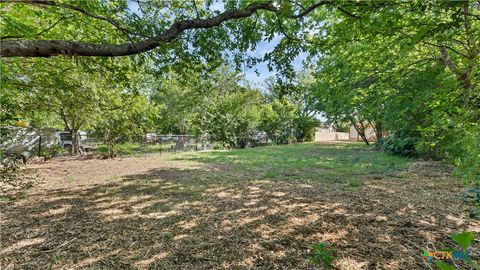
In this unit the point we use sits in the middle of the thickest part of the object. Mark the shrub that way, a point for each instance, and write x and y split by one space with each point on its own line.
400 142
276 120
12 178
305 128
467 156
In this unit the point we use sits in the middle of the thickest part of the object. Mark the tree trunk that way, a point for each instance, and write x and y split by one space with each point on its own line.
378 128
111 152
361 132
39 144
110 149
75 150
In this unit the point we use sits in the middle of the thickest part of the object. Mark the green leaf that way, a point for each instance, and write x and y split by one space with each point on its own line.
463 239
444 266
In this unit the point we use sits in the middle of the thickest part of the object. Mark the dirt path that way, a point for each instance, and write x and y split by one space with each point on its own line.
158 213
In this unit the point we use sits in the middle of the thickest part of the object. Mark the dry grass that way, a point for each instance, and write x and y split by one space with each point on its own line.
159 212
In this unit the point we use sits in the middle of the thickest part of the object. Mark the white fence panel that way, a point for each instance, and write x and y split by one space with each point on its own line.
321 136
342 136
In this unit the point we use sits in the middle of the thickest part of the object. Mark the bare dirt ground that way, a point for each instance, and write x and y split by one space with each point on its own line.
156 212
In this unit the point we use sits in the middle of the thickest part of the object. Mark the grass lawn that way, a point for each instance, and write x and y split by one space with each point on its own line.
260 208
135 149
310 162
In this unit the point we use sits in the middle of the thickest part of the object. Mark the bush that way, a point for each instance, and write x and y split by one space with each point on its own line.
400 142
52 151
467 156
457 142
276 120
229 119
305 128
12 177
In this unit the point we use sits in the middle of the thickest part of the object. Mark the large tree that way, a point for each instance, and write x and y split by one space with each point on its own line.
157 24
71 93
414 71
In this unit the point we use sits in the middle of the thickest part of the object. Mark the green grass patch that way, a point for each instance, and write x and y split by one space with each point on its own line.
129 149
354 183
348 163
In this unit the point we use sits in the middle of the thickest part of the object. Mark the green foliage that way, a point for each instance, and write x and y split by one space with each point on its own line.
407 68
467 157
277 121
400 142
132 118
179 97
51 152
73 94
230 118
404 81
354 183
444 266
289 113
216 105
323 254
305 128
463 239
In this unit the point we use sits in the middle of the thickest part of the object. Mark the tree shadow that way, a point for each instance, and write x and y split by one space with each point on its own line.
214 219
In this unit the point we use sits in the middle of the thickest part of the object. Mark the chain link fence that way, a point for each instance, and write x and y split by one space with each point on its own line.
174 143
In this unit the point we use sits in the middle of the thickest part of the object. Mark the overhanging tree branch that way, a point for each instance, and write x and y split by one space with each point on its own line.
45 48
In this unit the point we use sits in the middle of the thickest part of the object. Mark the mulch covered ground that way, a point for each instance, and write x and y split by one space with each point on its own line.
155 213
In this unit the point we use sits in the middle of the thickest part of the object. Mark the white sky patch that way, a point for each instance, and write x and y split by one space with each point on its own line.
217 6
134 8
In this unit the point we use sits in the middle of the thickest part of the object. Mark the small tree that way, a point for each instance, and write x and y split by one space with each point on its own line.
277 121
132 116
305 128
230 119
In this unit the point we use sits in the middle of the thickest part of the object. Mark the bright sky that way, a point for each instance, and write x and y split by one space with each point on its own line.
262 48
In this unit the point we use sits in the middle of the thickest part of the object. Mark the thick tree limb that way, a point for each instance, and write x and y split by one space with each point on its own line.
46 48
448 62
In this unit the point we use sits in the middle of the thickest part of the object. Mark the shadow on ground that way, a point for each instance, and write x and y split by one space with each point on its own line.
211 219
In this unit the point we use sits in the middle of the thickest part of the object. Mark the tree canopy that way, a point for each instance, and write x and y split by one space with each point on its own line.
410 69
